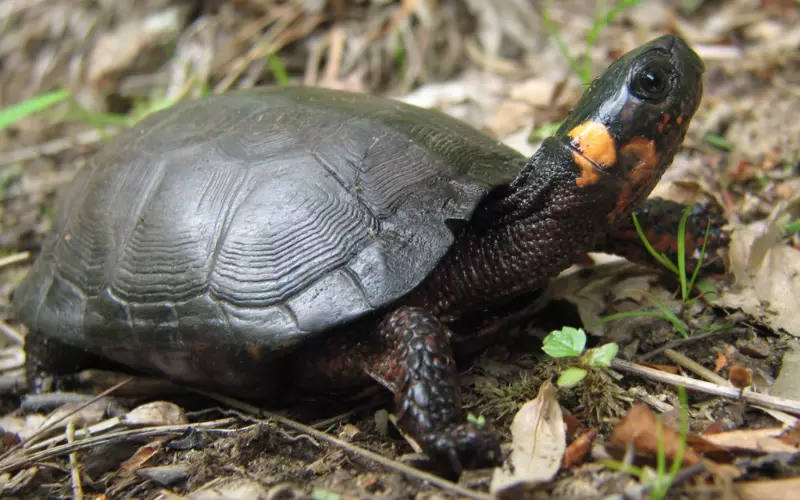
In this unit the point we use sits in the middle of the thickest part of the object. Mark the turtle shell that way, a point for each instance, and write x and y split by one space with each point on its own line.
256 218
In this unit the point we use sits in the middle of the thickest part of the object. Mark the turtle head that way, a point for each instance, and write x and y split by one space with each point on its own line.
626 128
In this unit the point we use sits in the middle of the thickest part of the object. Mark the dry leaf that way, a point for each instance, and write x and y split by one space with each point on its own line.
721 363
767 490
141 457
85 416
758 440
767 273
156 413
538 443
578 449
640 428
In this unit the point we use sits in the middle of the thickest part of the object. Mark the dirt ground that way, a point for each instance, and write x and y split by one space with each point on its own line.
497 66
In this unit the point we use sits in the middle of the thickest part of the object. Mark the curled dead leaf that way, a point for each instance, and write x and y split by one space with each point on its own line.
538 443
578 449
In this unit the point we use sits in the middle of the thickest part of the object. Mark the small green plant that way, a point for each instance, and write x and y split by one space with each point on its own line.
571 343
480 420
660 482
583 67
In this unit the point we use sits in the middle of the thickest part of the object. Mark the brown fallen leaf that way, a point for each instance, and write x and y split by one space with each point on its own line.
791 437
757 440
776 489
578 449
640 428
538 438
714 428
722 362
571 421
141 457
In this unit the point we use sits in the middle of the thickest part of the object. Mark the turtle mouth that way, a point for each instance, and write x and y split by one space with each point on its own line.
590 170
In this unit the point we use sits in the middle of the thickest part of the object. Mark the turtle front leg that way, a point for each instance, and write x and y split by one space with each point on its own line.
416 363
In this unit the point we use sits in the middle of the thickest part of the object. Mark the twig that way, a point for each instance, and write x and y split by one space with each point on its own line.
690 340
41 432
85 444
751 397
11 333
386 462
16 258
56 146
74 467
712 377
696 368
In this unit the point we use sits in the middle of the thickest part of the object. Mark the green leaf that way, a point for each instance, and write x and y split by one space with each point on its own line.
571 377
321 494
565 342
601 356
794 227
719 142
480 420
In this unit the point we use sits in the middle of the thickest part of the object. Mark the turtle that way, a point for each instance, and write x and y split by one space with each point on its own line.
296 237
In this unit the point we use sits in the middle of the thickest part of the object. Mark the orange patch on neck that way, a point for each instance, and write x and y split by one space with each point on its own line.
595 147
642 151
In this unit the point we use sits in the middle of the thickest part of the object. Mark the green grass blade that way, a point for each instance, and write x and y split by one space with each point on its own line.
701 258
594 33
682 253
562 47
660 257
670 316
13 114
278 70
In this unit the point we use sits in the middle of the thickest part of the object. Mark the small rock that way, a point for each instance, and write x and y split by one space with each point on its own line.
166 475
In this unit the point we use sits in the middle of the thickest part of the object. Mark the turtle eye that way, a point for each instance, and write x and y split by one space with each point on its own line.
652 81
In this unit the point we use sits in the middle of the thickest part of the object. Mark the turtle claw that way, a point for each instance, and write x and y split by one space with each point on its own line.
465 446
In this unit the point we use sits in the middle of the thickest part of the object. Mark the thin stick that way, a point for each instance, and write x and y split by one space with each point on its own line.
43 431
696 368
74 466
14 259
11 333
386 462
690 340
85 444
787 405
